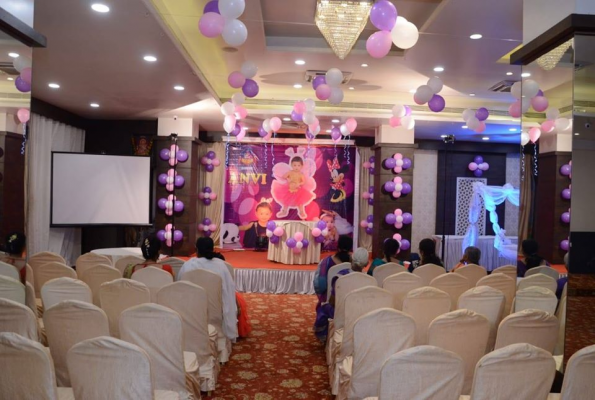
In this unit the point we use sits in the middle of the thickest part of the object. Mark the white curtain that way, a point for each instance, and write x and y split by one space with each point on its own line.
46 136
365 180
216 181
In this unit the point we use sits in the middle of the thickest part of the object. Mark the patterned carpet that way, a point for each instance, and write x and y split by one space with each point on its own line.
281 359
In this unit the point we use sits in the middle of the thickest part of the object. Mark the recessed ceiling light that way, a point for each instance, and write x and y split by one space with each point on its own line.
101 8
286 119
485 138
150 58
13 55
509 73
526 74
512 129
179 87
54 85
413 91
335 121
328 131
471 94
443 136
476 36
351 88
94 105
364 65
576 134
464 126
438 69
297 86
10 79
300 62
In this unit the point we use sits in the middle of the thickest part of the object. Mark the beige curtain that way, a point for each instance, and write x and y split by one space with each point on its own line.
526 200
216 181
365 180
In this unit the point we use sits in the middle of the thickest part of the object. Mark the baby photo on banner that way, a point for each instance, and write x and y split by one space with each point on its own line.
283 182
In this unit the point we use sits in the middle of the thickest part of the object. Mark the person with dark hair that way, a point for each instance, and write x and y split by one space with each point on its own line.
206 259
472 255
427 252
529 248
14 253
390 251
150 249
258 228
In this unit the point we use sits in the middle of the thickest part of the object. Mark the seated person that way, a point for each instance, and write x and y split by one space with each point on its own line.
150 249
390 251
205 259
427 252
345 246
531 259
14 253
472 256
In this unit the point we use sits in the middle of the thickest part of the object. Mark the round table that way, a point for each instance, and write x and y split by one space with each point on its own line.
119 252
283 254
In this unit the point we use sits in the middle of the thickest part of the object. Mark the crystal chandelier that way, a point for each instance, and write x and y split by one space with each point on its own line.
550 60
341 22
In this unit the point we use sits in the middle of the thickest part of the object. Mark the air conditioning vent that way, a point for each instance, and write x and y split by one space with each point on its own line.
8 68
311 74
502 86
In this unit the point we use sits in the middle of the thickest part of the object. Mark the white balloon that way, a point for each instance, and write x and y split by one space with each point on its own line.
334 77
168 235
238 99
266 125
325 232
516 90
231 9
525 104
227 108
336 96
249 69
399 111
234 32
207 195
424 93
401 20
344 130
310 104
435 84
370 225
408 122
206 228
170 179
473 123
308 118
404 35
468 113
552 113
21 63
269 233
530 88
400 217
524 138
562 124
229 124
315 131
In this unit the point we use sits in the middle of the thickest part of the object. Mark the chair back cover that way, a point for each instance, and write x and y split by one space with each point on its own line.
29 276
107 368
30 300
401 284
18 318
332 273
465 333
535 327
428 272
425 304
578 376
118 295
453 284
383 271
59 289
422 373
561 315
345 285
155 278
175 263
231 270
9 270
357 303
372 346
549 271
26 367
518 371
508 270
535 297
123 262
49 271
12 289
88 260
44 257
157 330
488 302
96 276
68 323
473 272
503 283
540 280
213 285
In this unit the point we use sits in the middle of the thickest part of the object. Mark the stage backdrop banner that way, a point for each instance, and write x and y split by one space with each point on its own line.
284 182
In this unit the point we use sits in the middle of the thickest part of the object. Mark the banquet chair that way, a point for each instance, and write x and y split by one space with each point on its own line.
503 283
385 270
59 289
107 368
488 302
174 262
541 280
44 257
9 270
190 301
331 274
473 272
88 260
464 332
118 295
158 330
12 289
508 270
421 373
453 284
400 284
29 277
428 272
231 270
123 262
535 327
578 379
96 276
549 271
155 278
424 304
359 376
49 271
561 315
535 297
30 300
68 323
27 371
519 371
17 318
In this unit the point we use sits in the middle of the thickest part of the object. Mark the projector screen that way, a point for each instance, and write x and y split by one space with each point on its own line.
90 189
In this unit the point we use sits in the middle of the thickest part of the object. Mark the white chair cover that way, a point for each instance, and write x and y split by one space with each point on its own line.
535 297
535 327
68 323
174 262
488 302
472 272
424 305
88 260
422 373
96 276
540 280
401 284
9 270
519 371
503 283
44 257
155 278
465 333
383 271
453 284
17 318
231 270
49 271
123 262
59 289
106 368
118 295
428 272
29 277
331 274
549 271
30 300
561 315
578 378
345 285
12 289
508 270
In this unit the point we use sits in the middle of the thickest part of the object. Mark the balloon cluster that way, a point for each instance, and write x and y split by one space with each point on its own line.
405 245
401 117
207 195
478 166
320 231
207 227
303 111
327 87
428 93
297 242
475 120
170 205
23 81
368 224
565 217
173 155
393 29
269 126
210 161
528 95
554 122
369 195
221 18
370 164
274 232
397 187
171 180
565 244
231 124
243 79
398 218
397 163
532 136
169 235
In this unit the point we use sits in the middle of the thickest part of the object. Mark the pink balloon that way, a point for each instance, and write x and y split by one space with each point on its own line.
366 195
314 124
201 227
240 136
26 75
481 128
299 107
236 79
212 227
378 45
394 122
398 212
278 231
298 236
397 237
296 250
515 109
534 134
275 124
397 179
366 164
323 92
472 166
398 170
548 126
398 225
211 24
363 224
396 194
351 124
539 103
241 112
23 115
398 156
214 195
216 162
316 232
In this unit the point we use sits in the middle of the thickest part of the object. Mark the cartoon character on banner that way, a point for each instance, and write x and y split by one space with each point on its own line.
230 233
336 226
337 180
294 185
254 229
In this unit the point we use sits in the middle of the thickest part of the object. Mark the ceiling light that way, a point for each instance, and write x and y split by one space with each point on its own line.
471 94
413 91
150 58
526 74
94 105
364 65
179 87
101 8
10 79
286 119
476 36
297 86
438 69
509 73
299 62
351 88
328 131
576 134
550 60
485 138
443 136
13 55
512 129
54 85
335 121
464 127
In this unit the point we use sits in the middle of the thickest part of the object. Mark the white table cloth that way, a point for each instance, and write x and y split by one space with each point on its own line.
283 254
119 252
490 258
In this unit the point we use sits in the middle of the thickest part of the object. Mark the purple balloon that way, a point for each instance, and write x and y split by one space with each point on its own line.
274 239
178 206
211 155
406 188
389 186
319 239
291 242
565 217
371 170
319 80
178 236
207 233
309 134
383 15
182 155
250 88
371 189
566 194
207 221
372 159
369 231
390 218
437 103
22 85
212 6
236 130
179 181
370 218
390 163
164 154
407 111
370 202
207 189
271 225
335 133
539 93
161 203
565 170
405 245
564 245
478 172
210 167
207 202
296 117
305 242
482 114
162 179
478 160
161 235
406 163
321 225
407 218
262 132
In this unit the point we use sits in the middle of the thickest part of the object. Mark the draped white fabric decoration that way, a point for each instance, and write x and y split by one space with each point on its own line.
492 196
